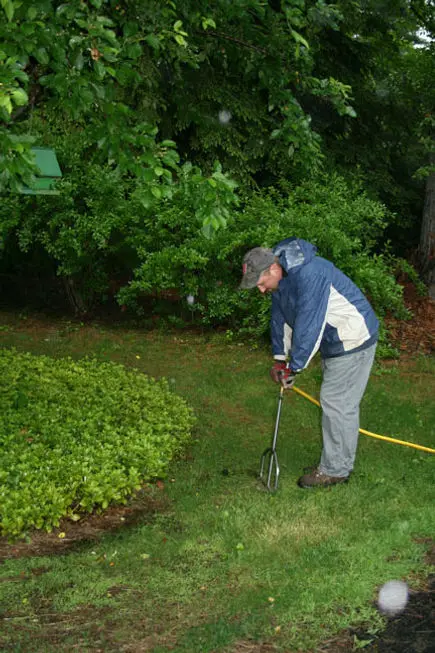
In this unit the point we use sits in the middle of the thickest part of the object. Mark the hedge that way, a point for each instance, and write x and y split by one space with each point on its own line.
76 436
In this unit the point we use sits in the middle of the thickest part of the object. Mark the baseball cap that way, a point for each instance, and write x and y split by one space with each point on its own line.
255 262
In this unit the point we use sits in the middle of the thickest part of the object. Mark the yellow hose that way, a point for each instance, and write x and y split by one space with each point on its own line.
364 432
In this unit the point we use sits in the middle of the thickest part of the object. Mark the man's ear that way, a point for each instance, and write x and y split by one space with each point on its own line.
276 269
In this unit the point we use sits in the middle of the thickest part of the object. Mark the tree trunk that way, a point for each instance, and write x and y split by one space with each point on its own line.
74 297
427 236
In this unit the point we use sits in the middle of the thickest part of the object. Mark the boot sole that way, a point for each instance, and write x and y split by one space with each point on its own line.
321 485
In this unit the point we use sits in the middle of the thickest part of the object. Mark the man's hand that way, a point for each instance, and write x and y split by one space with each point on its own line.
287 379
275 372
280 373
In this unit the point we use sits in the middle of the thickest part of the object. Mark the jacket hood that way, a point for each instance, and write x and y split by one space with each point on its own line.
294 252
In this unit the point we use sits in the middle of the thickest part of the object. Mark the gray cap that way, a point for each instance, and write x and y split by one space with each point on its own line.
255 262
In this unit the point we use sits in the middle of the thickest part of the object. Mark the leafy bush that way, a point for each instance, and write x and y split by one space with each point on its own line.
97 231
79 435
340 219
101 235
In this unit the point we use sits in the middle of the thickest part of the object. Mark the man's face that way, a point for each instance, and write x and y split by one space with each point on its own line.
270 278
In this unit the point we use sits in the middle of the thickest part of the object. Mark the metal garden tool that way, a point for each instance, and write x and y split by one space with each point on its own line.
270 456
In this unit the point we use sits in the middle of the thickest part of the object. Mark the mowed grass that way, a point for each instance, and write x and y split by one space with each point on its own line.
227 563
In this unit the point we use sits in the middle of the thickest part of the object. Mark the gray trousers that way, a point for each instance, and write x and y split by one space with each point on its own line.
344 381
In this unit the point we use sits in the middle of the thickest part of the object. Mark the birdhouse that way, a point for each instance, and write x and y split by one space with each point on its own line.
48 173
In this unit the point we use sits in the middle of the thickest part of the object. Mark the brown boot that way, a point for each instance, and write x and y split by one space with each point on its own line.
309 469
317 479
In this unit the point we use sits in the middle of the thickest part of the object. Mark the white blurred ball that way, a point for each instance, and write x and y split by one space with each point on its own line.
224 117
190 299
393 597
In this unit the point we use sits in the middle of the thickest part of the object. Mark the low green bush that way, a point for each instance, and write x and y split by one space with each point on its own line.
76 436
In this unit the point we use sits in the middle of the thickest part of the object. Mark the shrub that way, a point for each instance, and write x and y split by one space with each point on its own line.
339 219
102 237
95 232
78 435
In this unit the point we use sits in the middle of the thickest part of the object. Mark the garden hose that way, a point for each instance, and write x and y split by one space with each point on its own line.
364 432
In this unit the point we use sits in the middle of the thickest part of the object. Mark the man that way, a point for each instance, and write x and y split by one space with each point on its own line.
317 307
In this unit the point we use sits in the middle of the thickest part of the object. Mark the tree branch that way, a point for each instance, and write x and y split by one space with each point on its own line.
233 39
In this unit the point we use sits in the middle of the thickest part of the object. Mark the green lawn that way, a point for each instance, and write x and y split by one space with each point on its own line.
227 563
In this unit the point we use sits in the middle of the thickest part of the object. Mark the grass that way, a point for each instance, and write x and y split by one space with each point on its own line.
227 562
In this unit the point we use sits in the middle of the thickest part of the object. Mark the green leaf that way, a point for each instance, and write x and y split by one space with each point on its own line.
62 9
180 40
207 230
5 101
147 174
134 51
171 158
130 29
153 41
156 192
20 97
32 12
145 200
75 40
208 22
99 69
299 39
79 61
9 9
105 20
42 56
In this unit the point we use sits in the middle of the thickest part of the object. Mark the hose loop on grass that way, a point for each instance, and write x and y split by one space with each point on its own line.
369 433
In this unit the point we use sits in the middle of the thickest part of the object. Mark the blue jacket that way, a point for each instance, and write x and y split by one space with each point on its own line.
317 307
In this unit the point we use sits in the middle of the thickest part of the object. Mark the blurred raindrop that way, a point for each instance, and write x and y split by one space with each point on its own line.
224 116
393 597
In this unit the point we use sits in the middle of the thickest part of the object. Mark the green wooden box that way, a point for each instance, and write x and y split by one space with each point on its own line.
48 173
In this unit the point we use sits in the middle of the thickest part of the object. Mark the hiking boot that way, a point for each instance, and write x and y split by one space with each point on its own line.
318 479
309 469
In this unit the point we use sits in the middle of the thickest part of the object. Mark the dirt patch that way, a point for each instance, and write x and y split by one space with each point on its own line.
418 334
143 506
81 630
253 647
411 632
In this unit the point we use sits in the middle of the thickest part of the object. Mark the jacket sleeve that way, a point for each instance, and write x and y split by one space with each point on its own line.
311 310
281 332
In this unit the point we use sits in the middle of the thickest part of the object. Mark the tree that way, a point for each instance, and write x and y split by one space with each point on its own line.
426 95
150 95
427 239
379 53
128 68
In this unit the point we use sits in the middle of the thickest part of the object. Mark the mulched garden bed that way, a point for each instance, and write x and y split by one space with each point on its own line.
416 335
411 631
146 503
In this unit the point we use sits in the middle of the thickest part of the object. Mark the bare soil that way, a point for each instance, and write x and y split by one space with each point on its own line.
148 501
416 335
413 631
